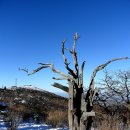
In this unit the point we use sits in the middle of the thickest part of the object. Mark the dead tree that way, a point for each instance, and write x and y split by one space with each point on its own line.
80 106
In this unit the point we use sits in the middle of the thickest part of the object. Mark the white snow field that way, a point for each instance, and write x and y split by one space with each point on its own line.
31 126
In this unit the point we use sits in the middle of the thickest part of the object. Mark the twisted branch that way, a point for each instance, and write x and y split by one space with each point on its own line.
51 66
62 78
66 62
64 88
100 67
75 54
24 69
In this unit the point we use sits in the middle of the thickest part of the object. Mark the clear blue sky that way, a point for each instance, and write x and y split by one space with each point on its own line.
31 31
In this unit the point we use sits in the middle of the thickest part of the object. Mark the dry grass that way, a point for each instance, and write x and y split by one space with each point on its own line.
109 123
57 118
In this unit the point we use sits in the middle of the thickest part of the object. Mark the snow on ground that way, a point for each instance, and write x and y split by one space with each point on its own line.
31 126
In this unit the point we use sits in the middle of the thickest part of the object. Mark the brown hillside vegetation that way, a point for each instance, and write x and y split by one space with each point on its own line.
29 102
52 109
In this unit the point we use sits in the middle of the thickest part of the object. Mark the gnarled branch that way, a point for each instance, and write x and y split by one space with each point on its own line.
64 88
75 54
66 62
51 66
24 69
100 67
85 115
61 78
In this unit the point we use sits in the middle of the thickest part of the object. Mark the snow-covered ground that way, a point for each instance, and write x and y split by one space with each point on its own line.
31 126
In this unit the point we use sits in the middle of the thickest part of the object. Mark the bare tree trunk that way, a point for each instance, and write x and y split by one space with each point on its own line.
79 117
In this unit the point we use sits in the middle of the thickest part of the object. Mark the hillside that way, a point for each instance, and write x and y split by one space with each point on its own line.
34 103
34 98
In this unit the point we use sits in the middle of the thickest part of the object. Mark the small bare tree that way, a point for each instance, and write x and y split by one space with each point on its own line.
80 106
13 112
114 89
12 119
114 97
